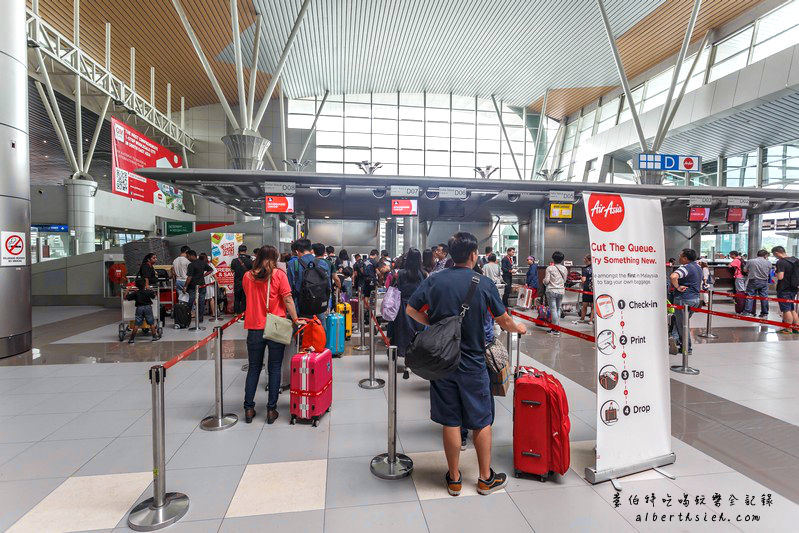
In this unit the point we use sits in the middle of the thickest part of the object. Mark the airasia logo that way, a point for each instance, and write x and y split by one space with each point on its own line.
606 211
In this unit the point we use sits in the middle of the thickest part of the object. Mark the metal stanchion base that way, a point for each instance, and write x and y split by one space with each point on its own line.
361 348
381 468
706 335
367 383
144 517
685 370
197 329
212 423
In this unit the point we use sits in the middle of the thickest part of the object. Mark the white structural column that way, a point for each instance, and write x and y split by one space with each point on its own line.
15 279
80 212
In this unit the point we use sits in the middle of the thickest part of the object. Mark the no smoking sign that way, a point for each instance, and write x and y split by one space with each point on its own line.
13 251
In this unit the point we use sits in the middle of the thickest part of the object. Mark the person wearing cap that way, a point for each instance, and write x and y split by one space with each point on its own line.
531 280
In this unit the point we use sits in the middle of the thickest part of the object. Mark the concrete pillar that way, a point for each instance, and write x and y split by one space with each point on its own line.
412 237
696 240
754 235
80 212
524 240
271 232
537 233
15 205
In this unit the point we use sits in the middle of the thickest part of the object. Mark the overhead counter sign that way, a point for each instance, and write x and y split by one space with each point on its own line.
404 191
561 196
679 163
279 204
452 193
404 207
283 188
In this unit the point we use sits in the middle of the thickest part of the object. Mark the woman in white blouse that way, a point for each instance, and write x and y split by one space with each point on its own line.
555 283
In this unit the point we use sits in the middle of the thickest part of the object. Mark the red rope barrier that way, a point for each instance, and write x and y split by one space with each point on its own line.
188 351
578 290
550 325
738 317
379 329
744 295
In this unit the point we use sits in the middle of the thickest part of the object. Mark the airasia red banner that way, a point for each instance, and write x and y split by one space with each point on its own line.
279 204
131 150
404 207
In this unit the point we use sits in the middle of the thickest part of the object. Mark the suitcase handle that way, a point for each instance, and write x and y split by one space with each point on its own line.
530 402
531 454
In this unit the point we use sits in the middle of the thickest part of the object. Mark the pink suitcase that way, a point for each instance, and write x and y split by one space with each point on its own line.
311 385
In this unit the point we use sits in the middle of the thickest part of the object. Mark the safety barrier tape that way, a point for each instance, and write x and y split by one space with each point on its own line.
188 351
744 295
738 317
550 325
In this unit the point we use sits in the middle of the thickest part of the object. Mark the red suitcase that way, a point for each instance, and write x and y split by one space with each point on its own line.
311 387
540 424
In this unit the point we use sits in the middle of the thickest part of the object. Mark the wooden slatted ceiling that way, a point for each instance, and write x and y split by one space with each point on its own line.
654 39
154 29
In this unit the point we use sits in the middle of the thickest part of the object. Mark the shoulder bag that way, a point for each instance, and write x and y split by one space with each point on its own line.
436 351
276 328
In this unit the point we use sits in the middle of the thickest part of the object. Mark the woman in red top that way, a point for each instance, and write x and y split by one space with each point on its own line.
255 284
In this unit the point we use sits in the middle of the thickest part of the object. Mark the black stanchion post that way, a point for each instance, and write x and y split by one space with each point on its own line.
371 382
164 508
684 368
197 310
220 419
362 347
392 465
708 333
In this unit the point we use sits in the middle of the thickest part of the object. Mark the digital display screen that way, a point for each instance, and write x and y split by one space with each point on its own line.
736 214
404 207
279 204
699 214
561 211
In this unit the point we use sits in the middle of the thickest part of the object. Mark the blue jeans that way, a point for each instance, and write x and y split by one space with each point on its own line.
678 317
554 299
256 347
200 302
757 287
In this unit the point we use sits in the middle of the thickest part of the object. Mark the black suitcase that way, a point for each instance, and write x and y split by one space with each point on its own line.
182 315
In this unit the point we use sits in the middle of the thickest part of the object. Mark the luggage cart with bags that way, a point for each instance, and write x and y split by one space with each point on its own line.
129 316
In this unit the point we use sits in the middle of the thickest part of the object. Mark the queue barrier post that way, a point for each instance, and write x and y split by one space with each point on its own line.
219 420
684 368
392 465
197 310
518 350
362 347
509 345
708 333
371 382
164 508
216 300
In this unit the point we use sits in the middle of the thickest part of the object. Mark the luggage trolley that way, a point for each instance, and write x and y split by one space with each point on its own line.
129 315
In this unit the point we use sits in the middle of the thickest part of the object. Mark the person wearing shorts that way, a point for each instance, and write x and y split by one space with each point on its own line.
143 298
463 398
785 289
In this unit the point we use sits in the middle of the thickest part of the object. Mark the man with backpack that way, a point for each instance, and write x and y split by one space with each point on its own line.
787 285
463 398
370 273
309 278
758 273
240 266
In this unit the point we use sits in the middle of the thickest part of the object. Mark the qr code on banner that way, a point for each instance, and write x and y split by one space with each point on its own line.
121 181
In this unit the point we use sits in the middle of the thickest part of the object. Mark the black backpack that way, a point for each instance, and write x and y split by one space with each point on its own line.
793 275
181 314
314 289
436 351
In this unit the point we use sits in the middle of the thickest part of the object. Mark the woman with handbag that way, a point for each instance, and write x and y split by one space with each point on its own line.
407 281
269 300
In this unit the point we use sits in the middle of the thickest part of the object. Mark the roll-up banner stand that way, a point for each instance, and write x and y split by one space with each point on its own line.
633 395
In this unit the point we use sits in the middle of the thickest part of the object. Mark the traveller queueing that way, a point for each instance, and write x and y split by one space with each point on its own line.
787 275
147 271
240 265
179 266
737 268
687 282
531 276
143 298
195 276
758 271
255 284
491 269
508 270
587 300
554 281
408 280
463 399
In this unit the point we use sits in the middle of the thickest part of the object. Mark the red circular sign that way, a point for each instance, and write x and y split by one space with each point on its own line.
606 211
14 245
688 163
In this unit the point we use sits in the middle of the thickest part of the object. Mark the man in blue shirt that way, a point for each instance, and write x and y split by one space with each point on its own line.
463 398
687 281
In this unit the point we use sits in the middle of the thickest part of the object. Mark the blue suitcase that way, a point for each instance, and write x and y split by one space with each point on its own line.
334 329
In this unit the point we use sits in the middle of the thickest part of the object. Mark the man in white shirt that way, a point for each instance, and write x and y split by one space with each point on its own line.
179 267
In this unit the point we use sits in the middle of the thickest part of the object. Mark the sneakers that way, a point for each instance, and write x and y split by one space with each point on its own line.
496 482
673 348
463 445
785 330
454 487
554 333
130 341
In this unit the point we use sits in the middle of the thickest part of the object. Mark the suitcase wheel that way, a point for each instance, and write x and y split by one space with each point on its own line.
122 329
315 421
517 474
293 420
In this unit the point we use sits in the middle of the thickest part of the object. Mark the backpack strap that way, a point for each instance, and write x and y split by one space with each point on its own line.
470 294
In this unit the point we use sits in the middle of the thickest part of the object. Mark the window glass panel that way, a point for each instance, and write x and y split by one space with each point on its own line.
384 141
775 44
463 159
384 111
436 158
322 166
463 172
437 143
384 156
485 131
387 170
734 44
412 99
463 131
411 141
463 116
384 126
303 122
323 138
329 154
385 98
411 157
437 129
438 100
719 70
358 139
330 124
438 115
411 127
777 21
462 102
485 145
303 106
411 170
363 98
487 117
463 145
411 113
357 125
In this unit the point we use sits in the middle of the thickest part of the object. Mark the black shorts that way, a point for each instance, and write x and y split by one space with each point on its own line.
462 399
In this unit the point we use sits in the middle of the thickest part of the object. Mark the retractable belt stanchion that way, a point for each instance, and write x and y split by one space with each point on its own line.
392 465
686 342
518 350
372 382
164 508
708 333
197 310
216 300
220 419
362 347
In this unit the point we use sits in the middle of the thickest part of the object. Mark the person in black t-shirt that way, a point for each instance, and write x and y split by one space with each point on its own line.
147 271
587 280
195 277
463 398
143 297
786 274
508 270
240 266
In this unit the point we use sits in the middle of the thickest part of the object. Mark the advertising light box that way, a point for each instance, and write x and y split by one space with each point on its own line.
699 214
736 214
279 204
561 211
404 207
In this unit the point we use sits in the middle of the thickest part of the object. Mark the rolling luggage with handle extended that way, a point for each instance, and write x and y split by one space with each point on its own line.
346 310
334 330
181 314
311 385
540 424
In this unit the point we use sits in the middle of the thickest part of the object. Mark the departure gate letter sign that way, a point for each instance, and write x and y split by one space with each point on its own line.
633 406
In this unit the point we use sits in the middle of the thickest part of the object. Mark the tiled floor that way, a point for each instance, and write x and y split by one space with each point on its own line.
75 451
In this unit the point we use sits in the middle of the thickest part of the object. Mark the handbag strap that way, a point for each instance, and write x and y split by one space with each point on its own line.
470 294
268 293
